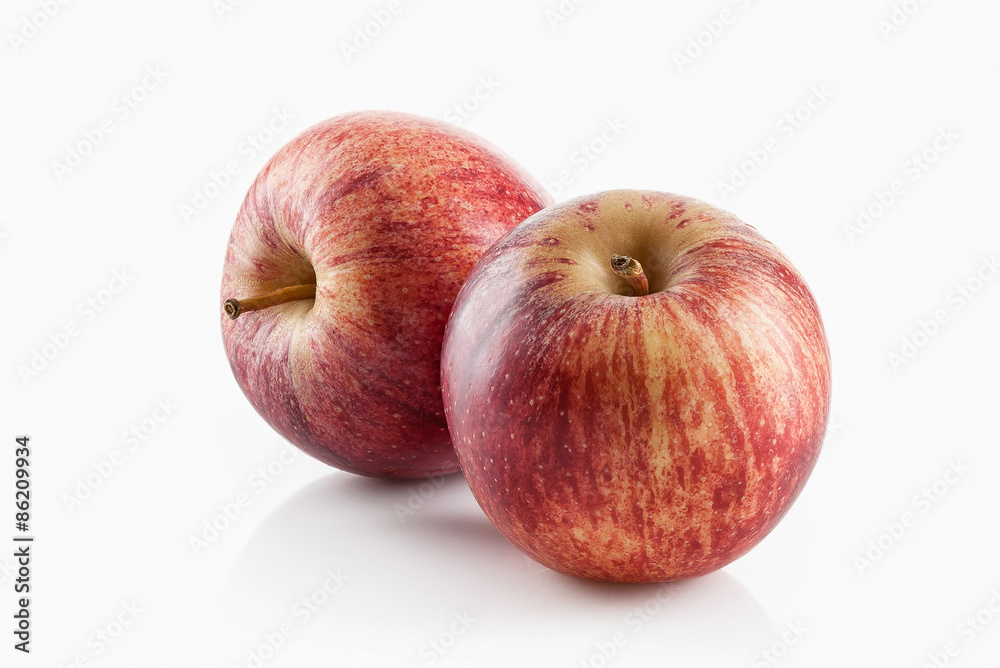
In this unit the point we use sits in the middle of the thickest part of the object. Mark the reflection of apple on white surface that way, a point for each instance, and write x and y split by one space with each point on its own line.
618 435
295 546
341 270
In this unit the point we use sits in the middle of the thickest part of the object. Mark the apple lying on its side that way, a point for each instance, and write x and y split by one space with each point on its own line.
341 269
617 435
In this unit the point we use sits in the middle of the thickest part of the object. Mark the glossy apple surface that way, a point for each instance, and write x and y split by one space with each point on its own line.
386 213
636 438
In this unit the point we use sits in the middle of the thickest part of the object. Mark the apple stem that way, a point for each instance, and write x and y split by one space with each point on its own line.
630 269
234 307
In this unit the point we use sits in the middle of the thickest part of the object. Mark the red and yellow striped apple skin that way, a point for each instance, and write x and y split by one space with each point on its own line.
388 213
635 439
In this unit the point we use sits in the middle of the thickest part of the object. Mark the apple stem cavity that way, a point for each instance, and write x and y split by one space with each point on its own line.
630 269
234 307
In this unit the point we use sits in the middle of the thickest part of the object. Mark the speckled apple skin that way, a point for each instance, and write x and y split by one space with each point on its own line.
389 212
636 439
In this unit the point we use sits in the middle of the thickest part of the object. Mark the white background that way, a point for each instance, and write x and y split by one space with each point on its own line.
888 557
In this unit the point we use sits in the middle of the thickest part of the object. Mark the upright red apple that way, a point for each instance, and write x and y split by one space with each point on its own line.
340 273
617 435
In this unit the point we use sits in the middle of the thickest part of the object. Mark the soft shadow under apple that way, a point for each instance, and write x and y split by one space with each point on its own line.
416 553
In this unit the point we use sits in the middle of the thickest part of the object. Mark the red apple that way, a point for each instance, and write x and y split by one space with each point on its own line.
635 437
341 269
